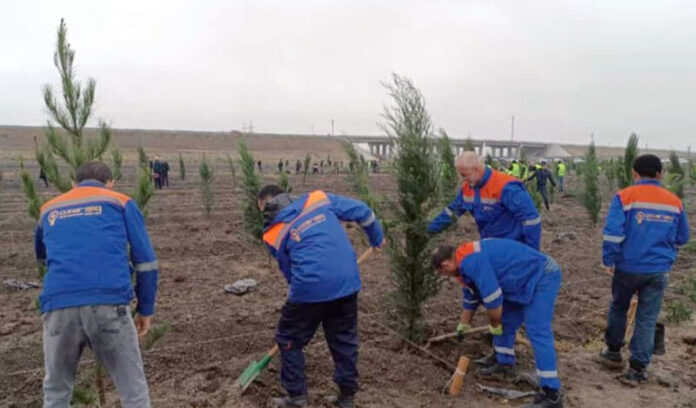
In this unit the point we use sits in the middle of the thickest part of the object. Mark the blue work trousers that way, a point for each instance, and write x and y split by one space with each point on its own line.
297 325
537 317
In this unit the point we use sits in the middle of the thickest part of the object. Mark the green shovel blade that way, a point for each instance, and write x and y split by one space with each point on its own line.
252 371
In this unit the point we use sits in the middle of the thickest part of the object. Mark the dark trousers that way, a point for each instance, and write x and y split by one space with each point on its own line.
297 325
158 182
543 190
650 289
165 179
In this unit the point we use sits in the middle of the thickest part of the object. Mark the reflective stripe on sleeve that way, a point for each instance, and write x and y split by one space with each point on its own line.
369 220
146 266
614 238
493 296
531 222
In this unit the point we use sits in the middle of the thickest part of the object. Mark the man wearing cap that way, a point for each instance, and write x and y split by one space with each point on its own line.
92 239
644 226
516 284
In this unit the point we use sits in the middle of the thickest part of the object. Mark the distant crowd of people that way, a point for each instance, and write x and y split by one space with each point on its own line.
334 167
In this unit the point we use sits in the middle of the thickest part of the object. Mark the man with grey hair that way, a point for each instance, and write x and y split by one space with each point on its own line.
499 203
501 207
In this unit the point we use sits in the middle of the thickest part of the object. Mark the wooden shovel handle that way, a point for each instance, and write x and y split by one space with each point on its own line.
442 337
365 255
274 351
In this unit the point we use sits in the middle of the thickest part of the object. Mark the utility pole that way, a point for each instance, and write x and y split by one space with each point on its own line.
332 127
512 129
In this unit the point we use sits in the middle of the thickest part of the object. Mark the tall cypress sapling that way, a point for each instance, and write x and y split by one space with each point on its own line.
592 199
182 168
251 215
205 170
408 124
449 179
630 155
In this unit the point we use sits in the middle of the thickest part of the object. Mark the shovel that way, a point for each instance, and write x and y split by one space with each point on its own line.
254 369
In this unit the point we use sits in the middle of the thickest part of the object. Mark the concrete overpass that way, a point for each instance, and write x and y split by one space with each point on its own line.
382 146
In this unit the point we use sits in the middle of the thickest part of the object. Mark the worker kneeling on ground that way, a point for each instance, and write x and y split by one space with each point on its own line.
85 238
516 284
644 226
316 257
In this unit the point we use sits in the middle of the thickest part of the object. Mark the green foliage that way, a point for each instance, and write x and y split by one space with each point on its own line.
674 165
307 162
284 182
156 334
143 161
629 156
408 124
84 396
230 164
592 199
182 168
675 183
535 194
692 171
449 180
144 190
678 312
205 170
34 201
490 162
469 145
117 158
252 220
72 114
359 177
688 286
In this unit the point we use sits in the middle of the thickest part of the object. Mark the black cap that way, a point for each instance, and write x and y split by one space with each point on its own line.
647 165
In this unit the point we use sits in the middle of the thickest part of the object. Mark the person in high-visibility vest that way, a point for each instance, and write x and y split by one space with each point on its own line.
561 169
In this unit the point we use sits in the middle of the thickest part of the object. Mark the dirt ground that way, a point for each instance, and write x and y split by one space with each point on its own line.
215 335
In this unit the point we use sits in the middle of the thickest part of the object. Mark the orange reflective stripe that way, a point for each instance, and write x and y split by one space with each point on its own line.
315 197
648 193
274 236
271 236
84 194
495 185
465 250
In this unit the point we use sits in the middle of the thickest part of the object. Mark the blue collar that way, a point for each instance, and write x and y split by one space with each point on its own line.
484 179
648 181
91 183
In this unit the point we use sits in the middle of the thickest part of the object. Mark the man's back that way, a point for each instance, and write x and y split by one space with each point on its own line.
312 248
645 224
83 236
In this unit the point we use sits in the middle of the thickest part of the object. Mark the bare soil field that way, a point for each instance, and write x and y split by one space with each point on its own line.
215 335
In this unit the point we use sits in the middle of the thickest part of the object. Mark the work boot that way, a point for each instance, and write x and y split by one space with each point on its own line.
635 375
498 372
486 361
546 398
340 401
611 359
289 402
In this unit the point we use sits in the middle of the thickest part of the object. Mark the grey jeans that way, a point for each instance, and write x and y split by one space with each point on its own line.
109 331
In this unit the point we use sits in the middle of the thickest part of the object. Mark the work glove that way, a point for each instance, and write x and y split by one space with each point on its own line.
462 329
496 331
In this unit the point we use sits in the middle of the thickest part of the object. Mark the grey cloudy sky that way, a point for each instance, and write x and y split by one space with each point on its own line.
564 68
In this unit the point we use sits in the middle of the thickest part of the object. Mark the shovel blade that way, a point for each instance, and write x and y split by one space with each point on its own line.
248 375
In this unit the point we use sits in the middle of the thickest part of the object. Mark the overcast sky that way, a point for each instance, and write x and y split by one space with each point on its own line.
565 69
